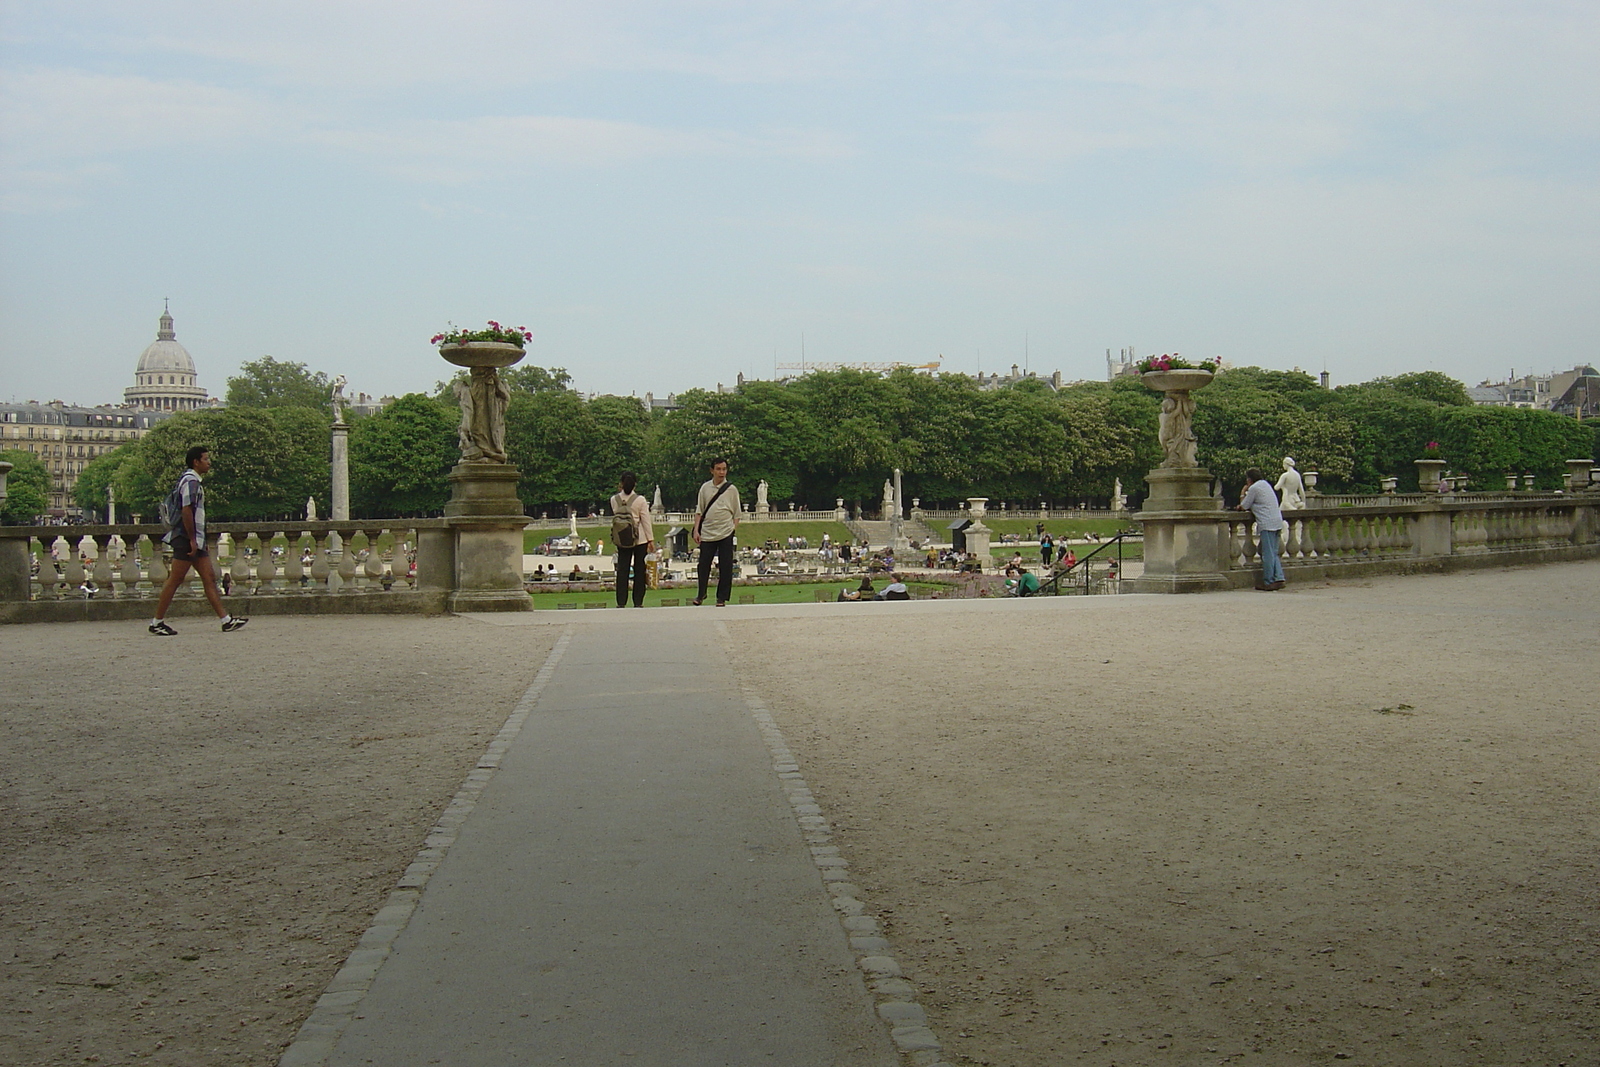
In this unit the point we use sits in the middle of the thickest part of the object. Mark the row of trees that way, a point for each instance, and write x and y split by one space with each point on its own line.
832 434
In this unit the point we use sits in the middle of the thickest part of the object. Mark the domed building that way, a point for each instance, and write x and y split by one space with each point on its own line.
165 379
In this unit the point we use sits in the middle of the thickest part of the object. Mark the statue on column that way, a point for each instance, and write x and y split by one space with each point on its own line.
888 500
1291 486
338 398
483 397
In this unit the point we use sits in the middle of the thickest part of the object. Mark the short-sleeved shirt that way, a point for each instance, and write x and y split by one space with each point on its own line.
191 494
717 520
1262 502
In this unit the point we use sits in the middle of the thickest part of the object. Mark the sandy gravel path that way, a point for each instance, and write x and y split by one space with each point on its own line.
1350 823
197 829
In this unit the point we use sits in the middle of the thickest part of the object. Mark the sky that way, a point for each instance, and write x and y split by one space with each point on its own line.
671 194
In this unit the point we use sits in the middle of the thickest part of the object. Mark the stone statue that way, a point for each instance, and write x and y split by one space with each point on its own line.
1177 430
888 500
1291 486
311 509
761 495
338 398
483 396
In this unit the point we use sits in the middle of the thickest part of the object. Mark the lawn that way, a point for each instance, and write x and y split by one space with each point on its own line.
750 533
802 593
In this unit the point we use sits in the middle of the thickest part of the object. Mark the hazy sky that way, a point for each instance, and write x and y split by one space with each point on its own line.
670 193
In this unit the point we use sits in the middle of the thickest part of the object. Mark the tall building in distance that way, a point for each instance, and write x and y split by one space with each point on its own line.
165 377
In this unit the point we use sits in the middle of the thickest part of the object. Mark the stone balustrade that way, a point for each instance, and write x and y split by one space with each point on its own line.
1444 533
117 571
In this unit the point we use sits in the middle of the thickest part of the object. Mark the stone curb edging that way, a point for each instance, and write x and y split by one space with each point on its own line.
315 1041
896 999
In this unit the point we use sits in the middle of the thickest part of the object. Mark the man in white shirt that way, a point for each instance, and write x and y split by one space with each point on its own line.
716 516
632 559
1262 501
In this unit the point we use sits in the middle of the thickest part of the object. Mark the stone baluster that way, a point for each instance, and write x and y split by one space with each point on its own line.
74 568
1291 538
1321 537
1236 543
158 565
347 561
293 569
373 567
266 566
49 578
130 566
321 572
240 569
104 573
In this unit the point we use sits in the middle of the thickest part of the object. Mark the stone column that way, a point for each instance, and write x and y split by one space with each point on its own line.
898 540
111 504
341 471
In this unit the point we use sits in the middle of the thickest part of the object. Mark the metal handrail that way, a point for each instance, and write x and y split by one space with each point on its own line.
1052 585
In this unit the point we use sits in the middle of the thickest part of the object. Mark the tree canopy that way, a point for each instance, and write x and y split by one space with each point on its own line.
272 383
27 488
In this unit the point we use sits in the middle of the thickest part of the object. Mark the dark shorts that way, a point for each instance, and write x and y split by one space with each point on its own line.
181 549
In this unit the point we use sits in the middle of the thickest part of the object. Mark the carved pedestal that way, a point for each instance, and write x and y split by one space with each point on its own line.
487 520
1185 537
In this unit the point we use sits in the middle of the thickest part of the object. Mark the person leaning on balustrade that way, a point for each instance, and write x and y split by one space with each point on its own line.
1261 500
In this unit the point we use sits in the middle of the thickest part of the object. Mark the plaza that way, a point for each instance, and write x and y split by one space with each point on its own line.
1353 821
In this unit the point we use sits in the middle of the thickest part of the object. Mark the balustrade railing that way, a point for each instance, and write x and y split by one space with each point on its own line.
125 562
1442 526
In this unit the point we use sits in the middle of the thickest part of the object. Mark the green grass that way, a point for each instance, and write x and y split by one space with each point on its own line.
804 593
1057 527
750 533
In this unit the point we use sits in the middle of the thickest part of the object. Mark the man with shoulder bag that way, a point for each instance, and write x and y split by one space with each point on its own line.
716 516
634 538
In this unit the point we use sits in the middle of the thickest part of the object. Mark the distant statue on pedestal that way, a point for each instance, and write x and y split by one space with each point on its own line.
311 509
1291 486
761 495
338 398
888 499
483 399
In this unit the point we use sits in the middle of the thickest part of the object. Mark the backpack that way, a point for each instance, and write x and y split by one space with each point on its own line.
170 509
622 532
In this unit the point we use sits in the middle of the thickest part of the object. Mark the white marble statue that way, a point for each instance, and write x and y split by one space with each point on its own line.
761 494
338 398
1291 487
311 509
888 499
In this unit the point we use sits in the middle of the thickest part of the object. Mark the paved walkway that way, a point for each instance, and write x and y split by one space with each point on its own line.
623 881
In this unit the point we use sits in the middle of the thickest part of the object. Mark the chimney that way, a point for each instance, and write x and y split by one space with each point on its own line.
1324 379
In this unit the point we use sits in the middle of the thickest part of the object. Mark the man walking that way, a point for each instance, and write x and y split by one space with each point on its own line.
716 516
634 537
187 536
1262 501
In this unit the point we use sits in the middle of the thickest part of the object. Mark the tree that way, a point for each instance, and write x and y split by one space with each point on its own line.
400 458
89 492
1249 417
27 488
1429 385
271 383
268 461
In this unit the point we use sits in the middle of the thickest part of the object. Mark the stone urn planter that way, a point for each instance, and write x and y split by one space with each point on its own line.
1177 412
1428 471
482 353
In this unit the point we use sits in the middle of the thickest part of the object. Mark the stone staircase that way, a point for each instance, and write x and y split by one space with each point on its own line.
877 534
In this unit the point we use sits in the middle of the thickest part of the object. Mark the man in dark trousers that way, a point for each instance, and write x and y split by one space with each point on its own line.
188 540
716 516
631 557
